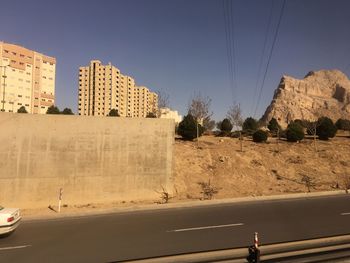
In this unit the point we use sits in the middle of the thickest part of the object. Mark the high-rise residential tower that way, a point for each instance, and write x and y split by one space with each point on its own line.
27 79
103 87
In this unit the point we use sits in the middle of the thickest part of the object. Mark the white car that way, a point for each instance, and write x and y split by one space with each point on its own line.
9 220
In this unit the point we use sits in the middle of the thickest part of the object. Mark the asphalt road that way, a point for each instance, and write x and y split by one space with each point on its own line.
132 235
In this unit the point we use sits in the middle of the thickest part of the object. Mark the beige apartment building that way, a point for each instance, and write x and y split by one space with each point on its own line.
27 79
103 87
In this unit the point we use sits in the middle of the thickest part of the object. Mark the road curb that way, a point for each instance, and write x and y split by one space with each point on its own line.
188 204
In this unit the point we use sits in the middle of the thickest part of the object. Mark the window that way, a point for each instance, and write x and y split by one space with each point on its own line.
14 53
21 55
6 51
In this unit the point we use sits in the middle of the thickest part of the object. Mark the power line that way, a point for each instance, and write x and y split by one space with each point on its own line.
228 47
270 55
262 56
233 48
230 44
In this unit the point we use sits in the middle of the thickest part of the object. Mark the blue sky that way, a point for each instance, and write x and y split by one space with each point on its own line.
179 46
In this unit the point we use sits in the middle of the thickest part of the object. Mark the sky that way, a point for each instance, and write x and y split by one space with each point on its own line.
180 47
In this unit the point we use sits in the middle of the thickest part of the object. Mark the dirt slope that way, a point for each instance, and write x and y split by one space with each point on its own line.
261 169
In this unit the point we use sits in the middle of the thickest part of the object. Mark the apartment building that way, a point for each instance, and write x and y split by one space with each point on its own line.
103 87
145 102
27 79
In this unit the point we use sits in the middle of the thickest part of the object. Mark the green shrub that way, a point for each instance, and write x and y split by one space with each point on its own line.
260 136
22 109
113 113
67 111
273 126
52 110
250 124
343 124
302 123
248 132
295 132
325 128
188 128
235 134
283 134
151 115
226 126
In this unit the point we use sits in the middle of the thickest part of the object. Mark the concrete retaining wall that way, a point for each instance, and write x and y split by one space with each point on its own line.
94 159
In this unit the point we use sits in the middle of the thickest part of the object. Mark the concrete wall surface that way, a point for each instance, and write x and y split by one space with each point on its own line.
94 159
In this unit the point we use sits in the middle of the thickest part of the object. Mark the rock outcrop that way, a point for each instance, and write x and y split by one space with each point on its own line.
320 93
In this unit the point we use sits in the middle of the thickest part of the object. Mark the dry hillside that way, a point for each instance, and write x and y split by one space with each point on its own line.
261 169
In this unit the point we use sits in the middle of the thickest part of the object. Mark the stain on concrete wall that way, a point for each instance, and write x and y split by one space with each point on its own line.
94 159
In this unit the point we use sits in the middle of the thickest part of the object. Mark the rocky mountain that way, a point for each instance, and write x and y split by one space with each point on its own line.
319 93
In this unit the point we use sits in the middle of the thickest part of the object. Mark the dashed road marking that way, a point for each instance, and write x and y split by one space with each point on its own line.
15 247
205 227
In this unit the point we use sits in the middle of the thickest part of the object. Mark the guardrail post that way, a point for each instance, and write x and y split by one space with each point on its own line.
254 251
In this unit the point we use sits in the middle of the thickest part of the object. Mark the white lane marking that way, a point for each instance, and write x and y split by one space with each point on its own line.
16 247
345 214
205 227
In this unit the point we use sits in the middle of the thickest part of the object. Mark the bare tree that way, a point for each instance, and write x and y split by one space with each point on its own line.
164 195
199 108
311 129
208 190
308 181
234 114
346 182
208 125
163 101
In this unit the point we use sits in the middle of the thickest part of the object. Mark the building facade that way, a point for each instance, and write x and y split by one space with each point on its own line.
167 113
103 87
27 79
